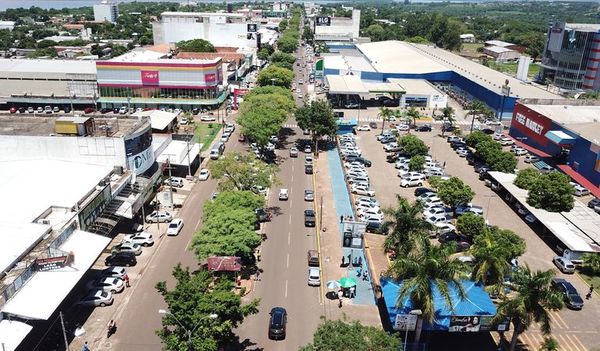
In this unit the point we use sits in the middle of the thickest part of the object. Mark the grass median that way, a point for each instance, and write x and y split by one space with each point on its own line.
205 133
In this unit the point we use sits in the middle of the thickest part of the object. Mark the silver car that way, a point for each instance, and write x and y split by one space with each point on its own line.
314 276
309 195
97 298
109 284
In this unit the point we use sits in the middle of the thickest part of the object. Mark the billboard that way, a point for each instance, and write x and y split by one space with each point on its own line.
531 124
149 77
92 210
405 322
464 324
252 28
323 21
224 264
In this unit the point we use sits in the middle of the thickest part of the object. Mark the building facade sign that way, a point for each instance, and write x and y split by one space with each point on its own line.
323 21
139 152
149 77
531 124
92 210
464 324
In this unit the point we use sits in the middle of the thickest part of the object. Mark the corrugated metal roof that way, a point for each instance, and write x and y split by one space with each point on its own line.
346 84
48 66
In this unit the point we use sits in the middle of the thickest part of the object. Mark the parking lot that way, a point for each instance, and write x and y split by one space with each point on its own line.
569 327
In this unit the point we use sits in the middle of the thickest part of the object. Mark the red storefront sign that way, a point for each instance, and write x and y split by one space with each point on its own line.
531 124
149 77
210 77
224 263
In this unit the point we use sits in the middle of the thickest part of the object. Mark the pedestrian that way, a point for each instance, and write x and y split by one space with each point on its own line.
340 296
257 274
126 279
343 261
111 328
342 219
85 347
352 292
358 272
258 255
444 164
365 274
589 294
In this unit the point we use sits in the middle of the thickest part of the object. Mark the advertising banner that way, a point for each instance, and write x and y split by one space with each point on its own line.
531 124
224 263
252 28
210 77
464 324
323 21
149 77
405 322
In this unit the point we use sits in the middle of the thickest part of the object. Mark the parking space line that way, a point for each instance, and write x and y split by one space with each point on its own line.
530 340
578 342
556 318
564 343
572 343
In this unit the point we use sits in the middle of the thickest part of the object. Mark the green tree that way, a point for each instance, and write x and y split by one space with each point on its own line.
404 226
385 114
413 114
262 114
417 39
233 200
307 34
283 25
502 161
552 192
337 335
549 344
475 108
236 171
196 45
470 224
591 263
424 271
279 56
532 303
448 117
417 163
202 311
486 148
318 118
454 192
526 178
263 54
42 44
375 32
274 75
412 145
473 139
287 43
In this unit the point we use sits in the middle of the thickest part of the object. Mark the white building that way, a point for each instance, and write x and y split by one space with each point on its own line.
106 12
337 28
220 29
10 25
467 38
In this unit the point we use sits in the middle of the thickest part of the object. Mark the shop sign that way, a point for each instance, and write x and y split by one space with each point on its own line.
224 263
405 322
210 77
530 124
464 323
141 162
50 263
323 21
149 77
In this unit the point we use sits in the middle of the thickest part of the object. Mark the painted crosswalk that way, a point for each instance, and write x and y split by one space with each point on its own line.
378 120
533 339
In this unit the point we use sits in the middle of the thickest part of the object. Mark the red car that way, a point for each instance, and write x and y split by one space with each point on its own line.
13 110
242 138
88 110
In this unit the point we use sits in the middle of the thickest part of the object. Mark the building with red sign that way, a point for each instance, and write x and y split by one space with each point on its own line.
146 80
565 133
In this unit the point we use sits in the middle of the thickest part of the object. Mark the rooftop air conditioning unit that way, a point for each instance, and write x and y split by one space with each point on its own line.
44 221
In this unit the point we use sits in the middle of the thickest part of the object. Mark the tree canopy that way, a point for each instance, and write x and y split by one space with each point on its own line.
412 145
208 308
417 163
552 192
318 118
236 171
274 75
337 335
196 45
526 178
404 226
470 224
454 192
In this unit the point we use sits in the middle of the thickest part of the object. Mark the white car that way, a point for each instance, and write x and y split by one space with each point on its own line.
162 216
436 219
110 284
293 152
123 110
314 277
362 190
174 182
204 174
435 211
307 149
504 141
412 180
402 127
531 159
443 228
519 151
143 238
390 146
126 246
283 194
208 118
366 200
364 128
97 298
428 195
175 226
115 271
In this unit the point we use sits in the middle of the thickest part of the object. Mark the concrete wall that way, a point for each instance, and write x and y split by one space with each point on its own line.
97 150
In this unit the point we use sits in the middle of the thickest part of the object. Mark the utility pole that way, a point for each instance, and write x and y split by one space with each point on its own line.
62 323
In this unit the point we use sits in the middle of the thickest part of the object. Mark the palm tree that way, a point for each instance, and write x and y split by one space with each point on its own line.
385 114
425 271
413 114
404 226
534 298
475 107
448 113
491 261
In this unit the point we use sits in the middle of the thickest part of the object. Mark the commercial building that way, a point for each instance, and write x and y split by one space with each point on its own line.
565 133
501 54
143 79
327 28
219 28
106 11
572 56
381 61
78 178
40 82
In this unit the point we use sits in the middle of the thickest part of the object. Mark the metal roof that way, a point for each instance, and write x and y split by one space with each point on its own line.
417 86
394 56
47 66
346 84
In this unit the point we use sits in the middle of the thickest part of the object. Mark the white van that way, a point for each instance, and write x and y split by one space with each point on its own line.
214 154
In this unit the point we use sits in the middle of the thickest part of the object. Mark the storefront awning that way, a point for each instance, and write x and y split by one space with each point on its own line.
45 291
559 137
580 179
12 334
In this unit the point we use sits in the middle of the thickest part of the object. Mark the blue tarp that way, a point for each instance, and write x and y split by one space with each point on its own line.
476 303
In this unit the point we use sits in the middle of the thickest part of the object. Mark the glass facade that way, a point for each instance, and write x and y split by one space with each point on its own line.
159 93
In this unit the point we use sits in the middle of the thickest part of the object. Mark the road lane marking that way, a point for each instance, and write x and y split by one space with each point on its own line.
318 232
290 221
289 237
292 180
556 318
287 261
198 224
286 284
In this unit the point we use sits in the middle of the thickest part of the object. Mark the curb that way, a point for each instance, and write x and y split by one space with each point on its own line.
318 234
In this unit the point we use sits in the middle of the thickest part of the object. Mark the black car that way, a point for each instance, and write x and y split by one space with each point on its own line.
104 110
67 109
594 202
373 125
277 323
364 161
570 294
115 110
423 128
480 166
420 191
21 109
262 215
453 236
391 103
195 111
449 128
458 144
308 169
373 227
388 139
121 259
488 131
309 218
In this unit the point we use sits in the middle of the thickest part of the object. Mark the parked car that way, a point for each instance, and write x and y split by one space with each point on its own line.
443 228
309 218
121 259
531 159
465 208
421 191
308 169
373 125
579 190
309 195
570 295
363 128
436 218
293 152
117 272
452 236
412 180
126 246
314 277
283 194
593 202
546 169
208 118
563 264
423 128
174 182
111 284
175 226
277 323
362 190
307 149
96 298
141 238
203 174
161 217
519 151
262 215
